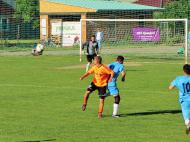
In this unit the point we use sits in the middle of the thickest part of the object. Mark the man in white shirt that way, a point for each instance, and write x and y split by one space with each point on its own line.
99 39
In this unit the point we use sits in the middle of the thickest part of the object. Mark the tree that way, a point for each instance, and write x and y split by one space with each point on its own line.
175 9
28 11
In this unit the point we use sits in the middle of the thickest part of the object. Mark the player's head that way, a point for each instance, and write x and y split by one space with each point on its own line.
93 38
120 59
186 69
97 60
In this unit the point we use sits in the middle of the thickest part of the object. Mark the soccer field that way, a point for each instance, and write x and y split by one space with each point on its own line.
41 100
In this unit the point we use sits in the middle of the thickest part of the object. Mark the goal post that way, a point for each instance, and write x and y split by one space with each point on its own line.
127 31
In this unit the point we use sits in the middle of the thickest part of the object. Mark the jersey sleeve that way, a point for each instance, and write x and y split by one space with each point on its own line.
91 70
107 70
174 82
122 69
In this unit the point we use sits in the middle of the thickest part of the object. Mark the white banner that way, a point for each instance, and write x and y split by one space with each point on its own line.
71 33
56 28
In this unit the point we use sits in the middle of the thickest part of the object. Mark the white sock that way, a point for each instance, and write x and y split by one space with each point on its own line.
187 122
115 109
87 67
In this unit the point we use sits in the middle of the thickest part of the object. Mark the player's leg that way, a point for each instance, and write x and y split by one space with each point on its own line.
102 95
89 90
116 106
101 107
89 60
86 96
114 91
187 123
186 114
99 46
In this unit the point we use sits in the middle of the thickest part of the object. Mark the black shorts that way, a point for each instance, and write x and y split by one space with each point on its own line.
101 90
90 57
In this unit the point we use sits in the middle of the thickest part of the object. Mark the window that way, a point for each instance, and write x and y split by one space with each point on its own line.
4 24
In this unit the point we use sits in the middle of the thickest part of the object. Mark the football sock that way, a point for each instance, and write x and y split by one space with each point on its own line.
187 123
115 109
87 67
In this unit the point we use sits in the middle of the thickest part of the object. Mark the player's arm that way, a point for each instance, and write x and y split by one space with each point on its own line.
173 84
84 45
123 74
171 87
84 75
96 49
111 75
90 71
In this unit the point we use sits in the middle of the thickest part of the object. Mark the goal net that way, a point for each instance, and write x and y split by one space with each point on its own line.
161 38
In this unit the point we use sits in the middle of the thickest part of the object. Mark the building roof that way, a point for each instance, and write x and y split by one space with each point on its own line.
155 3
100 5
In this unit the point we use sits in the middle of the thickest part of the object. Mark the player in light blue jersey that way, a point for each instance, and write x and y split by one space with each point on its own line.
118 69
182 83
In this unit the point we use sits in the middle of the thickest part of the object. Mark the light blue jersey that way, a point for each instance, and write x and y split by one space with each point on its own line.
117 69
183 85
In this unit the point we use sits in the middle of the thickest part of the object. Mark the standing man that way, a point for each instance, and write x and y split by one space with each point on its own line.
92 51
102 75
99 39
118 68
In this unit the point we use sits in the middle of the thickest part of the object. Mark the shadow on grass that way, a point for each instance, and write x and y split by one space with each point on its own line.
49 140
152 113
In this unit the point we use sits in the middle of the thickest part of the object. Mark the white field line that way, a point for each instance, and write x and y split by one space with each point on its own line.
77 88
154 62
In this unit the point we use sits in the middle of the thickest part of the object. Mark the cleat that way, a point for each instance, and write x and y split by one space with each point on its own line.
115 116
100 115
83 107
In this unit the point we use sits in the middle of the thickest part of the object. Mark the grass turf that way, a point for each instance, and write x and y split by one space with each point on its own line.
41 100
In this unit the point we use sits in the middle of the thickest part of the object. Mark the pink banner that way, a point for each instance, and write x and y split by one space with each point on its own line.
146 34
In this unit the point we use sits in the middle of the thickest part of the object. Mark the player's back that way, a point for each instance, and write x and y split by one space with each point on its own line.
117 69
183 84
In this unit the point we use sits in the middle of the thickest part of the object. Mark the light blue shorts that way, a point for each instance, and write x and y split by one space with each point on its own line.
185 106
113 90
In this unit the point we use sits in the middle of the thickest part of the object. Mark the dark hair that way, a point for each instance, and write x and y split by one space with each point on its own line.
93 36
120 58
99 58
186 69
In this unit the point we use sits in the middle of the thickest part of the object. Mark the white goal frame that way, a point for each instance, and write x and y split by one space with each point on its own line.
140 20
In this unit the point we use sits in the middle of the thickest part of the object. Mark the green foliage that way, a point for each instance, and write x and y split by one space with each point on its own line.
175 9
28 11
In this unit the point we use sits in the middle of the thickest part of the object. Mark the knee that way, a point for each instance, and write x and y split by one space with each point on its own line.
117 99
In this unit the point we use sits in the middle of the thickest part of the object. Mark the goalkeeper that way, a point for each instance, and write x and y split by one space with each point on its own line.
92 51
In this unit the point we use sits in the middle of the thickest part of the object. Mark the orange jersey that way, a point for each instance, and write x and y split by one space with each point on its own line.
101 75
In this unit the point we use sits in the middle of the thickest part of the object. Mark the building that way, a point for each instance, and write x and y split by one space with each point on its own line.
6 18
58 13
12 28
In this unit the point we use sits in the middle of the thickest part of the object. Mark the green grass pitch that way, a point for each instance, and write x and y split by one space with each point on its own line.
41 98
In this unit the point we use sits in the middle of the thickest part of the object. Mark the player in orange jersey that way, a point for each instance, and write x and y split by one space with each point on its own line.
102 75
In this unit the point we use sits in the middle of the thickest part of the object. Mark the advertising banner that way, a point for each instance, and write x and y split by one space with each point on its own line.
71 33
146 34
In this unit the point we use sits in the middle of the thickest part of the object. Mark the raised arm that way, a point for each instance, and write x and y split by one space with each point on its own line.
90 71
84 76
171 87
123 74
111 75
